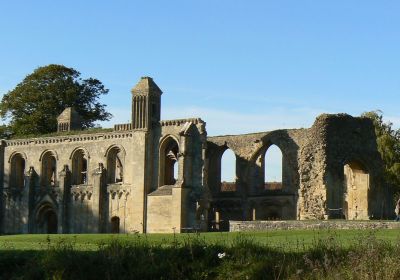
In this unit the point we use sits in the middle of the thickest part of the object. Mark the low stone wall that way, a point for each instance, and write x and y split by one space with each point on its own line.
332 224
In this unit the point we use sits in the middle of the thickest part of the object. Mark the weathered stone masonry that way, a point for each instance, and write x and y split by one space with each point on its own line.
163 176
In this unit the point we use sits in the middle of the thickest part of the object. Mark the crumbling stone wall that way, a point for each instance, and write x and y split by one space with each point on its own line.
313 170
251 200
312 166
350 140
257 226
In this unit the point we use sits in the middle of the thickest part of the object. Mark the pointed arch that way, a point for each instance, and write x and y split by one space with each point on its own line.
22 154
17 170
48 173
46 218
115 156
228 170
86 152
273 167
54 153
115 146
79 162
169 161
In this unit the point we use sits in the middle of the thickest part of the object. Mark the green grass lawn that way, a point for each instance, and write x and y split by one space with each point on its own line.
292 240
278 254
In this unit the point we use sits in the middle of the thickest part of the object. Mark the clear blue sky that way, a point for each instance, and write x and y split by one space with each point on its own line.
242 66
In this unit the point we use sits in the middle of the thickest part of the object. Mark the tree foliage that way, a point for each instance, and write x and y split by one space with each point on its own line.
388 141
33 106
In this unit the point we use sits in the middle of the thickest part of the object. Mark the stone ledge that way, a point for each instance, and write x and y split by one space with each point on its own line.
235 226
70 138
162 191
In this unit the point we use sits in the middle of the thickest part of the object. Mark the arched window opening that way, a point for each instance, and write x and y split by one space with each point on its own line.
273 168
115 166
79 168
17 178
356 186
49 170
169 162
115 224
228 171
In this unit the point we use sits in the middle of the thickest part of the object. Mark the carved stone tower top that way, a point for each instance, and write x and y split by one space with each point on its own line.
69 120
146 104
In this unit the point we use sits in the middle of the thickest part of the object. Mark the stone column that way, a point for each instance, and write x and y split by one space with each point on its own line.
241 187
30 182
24 200
178 209
99 206
63 199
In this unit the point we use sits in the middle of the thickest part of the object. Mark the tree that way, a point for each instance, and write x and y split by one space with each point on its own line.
4 131
388 141
33 105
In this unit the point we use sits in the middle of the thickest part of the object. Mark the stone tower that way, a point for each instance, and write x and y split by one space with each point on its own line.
146 104
69 120
146 113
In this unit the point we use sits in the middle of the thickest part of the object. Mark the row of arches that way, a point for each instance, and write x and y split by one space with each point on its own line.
269 163
169 149
47 220
115 158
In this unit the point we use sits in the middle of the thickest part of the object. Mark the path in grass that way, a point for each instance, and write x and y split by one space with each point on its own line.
296 240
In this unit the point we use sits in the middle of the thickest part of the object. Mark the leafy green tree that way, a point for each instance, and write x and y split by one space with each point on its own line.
33 105
388 141
4 132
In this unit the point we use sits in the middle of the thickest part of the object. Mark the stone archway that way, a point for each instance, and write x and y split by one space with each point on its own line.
47 221
169 150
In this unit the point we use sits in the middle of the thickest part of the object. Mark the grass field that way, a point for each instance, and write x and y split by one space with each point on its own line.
281 254
283 239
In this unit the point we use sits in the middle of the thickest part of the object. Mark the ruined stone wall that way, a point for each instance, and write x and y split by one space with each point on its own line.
353 140
313 171
251 200
312 165
85 207
258 226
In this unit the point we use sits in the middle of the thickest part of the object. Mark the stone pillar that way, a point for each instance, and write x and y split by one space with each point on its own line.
202 208
99 206
178 209
217 219
241 187
30 182
23 198
63 200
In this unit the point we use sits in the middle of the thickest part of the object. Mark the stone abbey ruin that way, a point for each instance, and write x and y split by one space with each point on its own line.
155 175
